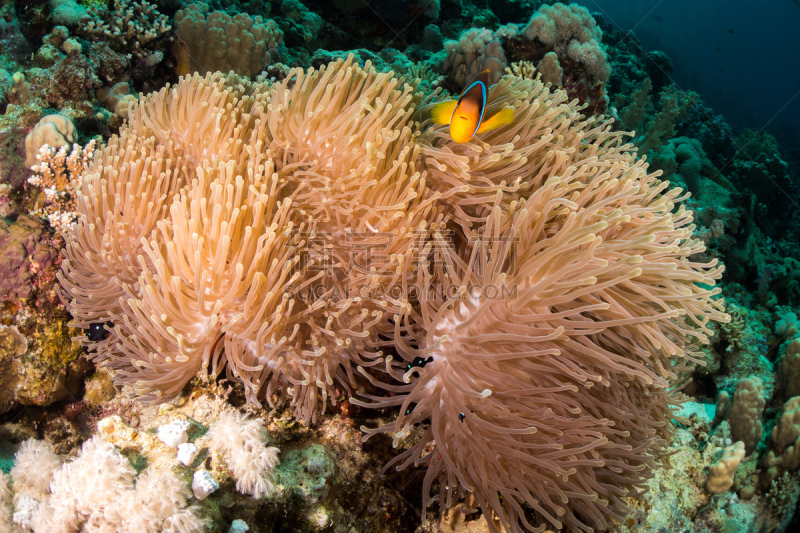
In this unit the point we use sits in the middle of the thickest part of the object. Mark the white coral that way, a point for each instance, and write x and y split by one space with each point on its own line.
34 465
186 453
25 508
185 521
84 487
156 503
203 484
174 433
242 441
96 492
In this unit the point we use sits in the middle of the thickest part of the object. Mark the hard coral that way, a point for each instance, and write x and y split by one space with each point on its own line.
27 254
58 175
720 474
218 41
745 414
54 131
12 373
786 433
130 26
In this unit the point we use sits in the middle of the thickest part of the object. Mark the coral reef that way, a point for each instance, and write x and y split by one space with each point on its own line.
230 332
788 368
55 131
26 255
12 374
786 432
59 175
96 491
475 51
371 249
745 414
570 31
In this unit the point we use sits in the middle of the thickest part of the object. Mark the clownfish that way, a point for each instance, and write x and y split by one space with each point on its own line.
465 115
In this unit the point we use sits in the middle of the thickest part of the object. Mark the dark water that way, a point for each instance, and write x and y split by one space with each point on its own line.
742 57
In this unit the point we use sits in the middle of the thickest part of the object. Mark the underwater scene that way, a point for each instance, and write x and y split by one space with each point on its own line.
401 266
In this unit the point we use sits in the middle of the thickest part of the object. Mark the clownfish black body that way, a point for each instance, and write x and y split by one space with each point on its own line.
465 115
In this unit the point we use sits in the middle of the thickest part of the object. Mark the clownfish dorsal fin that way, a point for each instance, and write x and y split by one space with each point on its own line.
501 118
485 77
443 111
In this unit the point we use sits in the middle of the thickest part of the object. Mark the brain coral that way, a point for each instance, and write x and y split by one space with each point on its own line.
525 300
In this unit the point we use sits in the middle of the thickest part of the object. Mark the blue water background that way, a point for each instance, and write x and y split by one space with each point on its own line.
742 56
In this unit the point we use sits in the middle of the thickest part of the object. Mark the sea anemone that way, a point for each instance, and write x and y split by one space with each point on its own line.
535 373
529 297
254 229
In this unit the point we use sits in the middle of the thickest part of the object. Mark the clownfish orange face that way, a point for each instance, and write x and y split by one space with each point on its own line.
465 115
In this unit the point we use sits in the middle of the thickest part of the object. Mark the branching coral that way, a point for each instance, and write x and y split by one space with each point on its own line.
59 175
529 292
720 474
133 27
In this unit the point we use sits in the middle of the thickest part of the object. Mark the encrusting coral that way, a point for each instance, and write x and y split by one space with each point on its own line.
529 293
